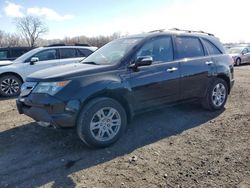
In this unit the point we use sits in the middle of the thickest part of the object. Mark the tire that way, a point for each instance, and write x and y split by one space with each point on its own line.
94 126
217 94
238 62
10 85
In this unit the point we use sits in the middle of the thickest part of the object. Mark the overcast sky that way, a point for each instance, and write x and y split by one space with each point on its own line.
227 19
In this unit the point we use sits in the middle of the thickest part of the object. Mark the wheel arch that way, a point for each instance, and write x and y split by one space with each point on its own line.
226 79
12 73
115 96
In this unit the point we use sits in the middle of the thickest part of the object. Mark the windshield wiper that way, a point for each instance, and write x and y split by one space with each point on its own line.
91 63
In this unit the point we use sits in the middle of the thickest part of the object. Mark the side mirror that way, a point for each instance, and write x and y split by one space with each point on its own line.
34 60
143 61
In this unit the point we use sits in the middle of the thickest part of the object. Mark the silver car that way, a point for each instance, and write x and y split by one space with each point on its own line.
13 74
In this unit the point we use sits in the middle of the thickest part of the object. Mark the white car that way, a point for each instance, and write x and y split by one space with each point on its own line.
13 74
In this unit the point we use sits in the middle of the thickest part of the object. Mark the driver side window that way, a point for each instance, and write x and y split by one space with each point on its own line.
160 49
244 51
45 55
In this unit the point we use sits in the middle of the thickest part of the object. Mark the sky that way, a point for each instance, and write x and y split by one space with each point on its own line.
227 19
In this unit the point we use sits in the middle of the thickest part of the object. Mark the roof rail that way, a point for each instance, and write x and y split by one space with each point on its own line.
183 30
191 31
58 44
62 44
81 44
158 30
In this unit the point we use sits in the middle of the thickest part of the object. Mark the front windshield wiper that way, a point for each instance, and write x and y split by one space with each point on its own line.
91 63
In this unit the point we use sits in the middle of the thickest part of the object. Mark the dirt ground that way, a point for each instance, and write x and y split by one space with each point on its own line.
181 146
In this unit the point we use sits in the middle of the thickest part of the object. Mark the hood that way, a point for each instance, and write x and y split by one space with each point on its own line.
233 55
64 72
4 63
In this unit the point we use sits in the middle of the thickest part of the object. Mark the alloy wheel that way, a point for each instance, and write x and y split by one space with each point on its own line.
219 95
10 86
105 124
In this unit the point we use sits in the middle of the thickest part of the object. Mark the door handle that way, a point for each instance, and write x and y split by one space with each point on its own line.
172 69
209 62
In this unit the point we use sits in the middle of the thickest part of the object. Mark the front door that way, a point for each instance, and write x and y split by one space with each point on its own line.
46 59
157 84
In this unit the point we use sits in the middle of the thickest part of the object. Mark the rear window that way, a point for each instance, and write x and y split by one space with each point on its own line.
212 49
3 54
189 47
67 53
18 52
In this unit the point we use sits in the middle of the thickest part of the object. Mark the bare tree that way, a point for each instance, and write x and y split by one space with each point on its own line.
31 28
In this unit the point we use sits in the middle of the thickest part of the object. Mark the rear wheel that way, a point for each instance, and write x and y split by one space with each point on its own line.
216 96
238 62
10 85
101 122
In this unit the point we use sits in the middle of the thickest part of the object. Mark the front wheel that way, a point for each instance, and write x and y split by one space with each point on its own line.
10 85
216 96
101 122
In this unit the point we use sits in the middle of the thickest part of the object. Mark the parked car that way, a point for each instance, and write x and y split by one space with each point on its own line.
240 55
11 53
13 75
131 75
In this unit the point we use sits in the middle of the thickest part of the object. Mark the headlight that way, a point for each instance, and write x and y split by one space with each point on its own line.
50 88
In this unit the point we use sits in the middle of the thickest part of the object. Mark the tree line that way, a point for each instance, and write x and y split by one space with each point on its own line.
31 29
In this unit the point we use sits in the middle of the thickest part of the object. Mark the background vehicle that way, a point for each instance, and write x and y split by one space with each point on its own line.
13 75
240 55
126 77
11 53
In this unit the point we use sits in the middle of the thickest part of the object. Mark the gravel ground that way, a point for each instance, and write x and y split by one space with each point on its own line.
181 146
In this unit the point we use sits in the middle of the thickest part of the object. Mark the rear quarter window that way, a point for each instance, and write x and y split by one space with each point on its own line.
188 47
211 48
84 52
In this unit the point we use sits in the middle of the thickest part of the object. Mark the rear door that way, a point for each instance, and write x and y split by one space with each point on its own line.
195 66
158 83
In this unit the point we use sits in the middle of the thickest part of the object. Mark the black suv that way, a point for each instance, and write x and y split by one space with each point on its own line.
131 75
11 53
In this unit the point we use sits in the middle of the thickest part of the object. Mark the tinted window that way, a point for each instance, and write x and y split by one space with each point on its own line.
67 53
4 54
84 52
244 51
189 47
18 52
212 49
46 55
160 49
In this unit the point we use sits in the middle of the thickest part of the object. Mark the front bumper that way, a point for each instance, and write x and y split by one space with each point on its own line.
45 108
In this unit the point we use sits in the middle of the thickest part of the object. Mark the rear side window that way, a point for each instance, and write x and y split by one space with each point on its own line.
67 53
84 52
189 47
4 54
212 49
160 49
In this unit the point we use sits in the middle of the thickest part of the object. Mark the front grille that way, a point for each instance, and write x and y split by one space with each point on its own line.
27 88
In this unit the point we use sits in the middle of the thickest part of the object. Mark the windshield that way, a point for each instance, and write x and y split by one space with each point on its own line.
113 52
235 50
27 55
